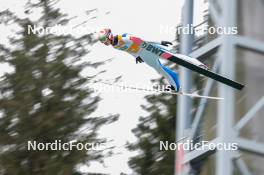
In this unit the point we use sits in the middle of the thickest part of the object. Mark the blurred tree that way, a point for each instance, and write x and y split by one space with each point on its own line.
45 98
158 126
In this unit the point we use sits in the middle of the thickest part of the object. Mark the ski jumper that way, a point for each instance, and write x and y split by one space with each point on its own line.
131 44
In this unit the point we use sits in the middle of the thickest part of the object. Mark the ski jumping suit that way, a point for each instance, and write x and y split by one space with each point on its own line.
131 44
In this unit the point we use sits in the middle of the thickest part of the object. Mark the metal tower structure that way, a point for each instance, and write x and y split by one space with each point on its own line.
223 13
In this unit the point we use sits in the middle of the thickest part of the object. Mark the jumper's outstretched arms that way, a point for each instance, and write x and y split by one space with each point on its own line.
139 60
166 43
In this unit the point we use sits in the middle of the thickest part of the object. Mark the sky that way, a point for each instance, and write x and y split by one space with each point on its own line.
145 19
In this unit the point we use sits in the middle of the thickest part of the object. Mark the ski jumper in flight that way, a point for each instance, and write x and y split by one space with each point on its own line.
128 43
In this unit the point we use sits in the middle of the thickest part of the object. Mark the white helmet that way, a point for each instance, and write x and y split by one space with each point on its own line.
105 36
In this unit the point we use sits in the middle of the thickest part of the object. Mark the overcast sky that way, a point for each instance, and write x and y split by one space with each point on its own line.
141 18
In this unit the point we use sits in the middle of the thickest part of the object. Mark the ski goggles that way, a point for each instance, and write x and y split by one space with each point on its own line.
105 38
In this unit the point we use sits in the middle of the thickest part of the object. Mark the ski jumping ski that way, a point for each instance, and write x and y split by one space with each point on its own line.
150 53
189 63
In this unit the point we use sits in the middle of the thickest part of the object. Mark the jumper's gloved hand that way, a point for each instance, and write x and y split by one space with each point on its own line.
139 60
166 43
